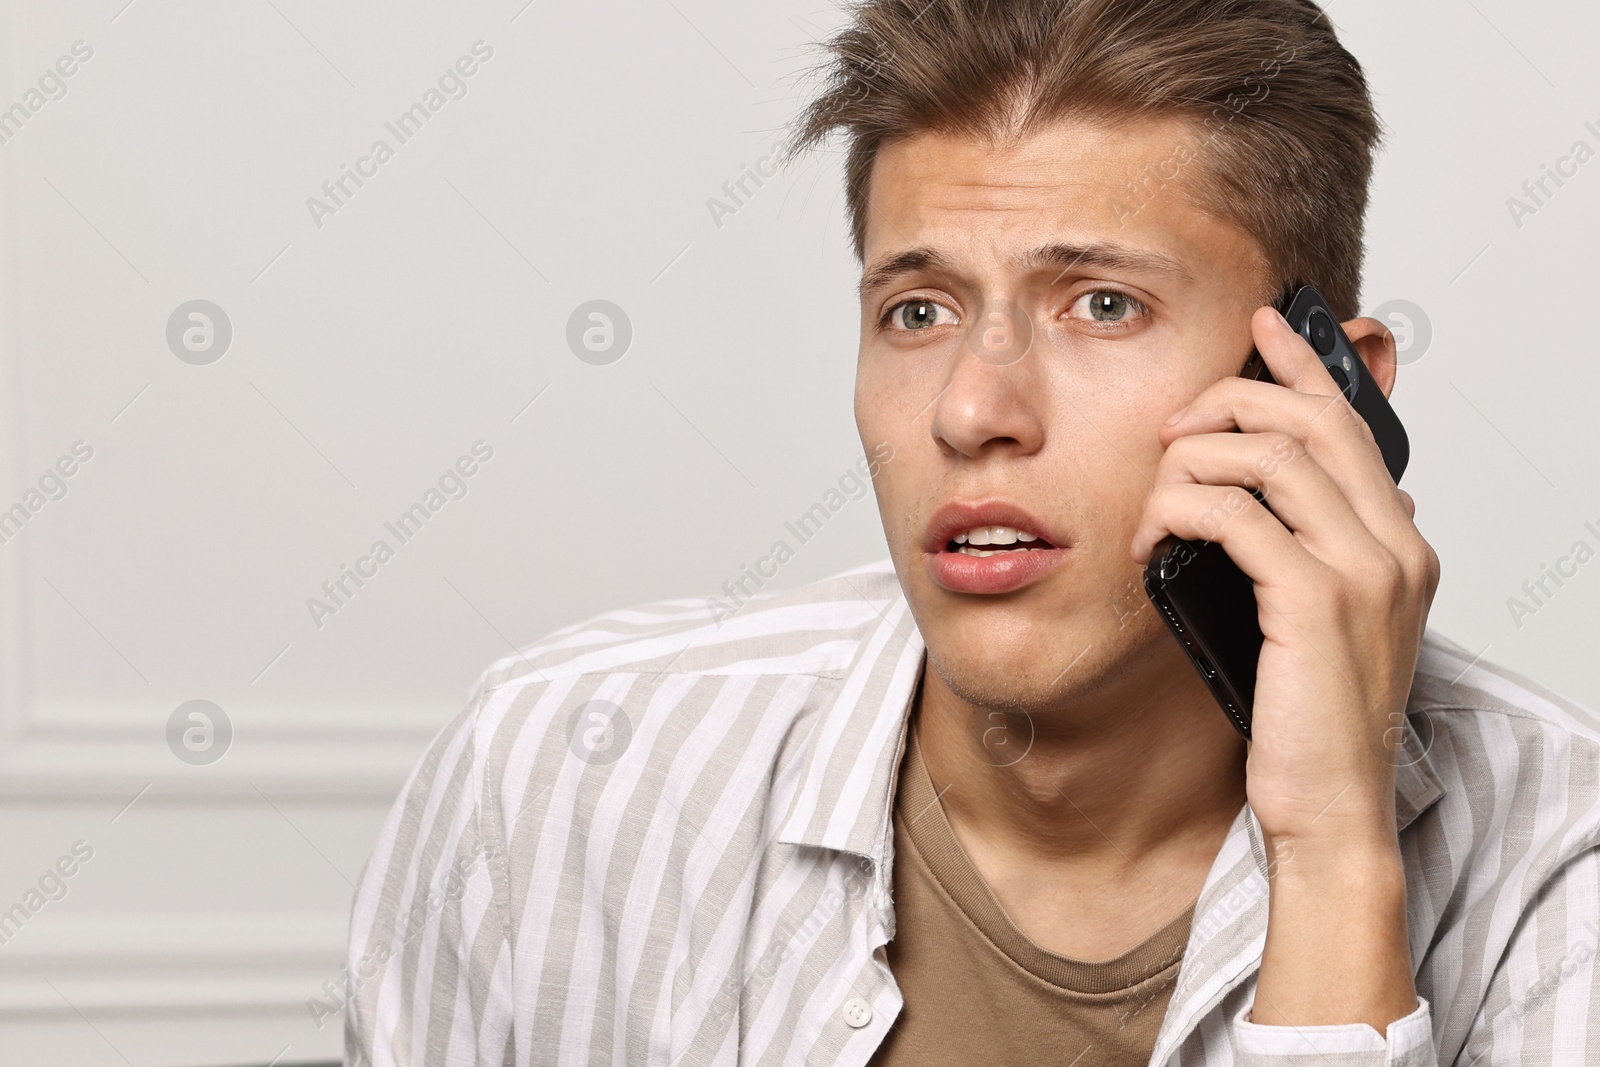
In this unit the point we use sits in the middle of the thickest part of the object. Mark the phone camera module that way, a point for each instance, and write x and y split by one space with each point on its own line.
1320 331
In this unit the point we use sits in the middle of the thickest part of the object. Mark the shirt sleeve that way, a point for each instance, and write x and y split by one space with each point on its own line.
427 971
1407 1042
1543 1001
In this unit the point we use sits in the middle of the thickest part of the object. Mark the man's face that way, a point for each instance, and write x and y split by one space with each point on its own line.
1040 384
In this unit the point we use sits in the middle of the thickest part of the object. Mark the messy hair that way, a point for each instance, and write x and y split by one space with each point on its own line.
1283 124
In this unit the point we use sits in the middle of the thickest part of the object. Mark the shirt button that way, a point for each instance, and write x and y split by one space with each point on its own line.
857 1012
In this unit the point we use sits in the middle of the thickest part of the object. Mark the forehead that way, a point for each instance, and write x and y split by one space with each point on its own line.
1128 183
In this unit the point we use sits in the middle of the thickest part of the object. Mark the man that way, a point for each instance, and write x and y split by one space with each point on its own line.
972 804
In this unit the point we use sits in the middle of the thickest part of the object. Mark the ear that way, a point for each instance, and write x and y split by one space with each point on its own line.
1374 343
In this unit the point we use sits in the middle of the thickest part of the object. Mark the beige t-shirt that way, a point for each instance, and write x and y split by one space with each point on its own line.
977 989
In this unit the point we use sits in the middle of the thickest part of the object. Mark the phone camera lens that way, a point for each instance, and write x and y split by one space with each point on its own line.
1320 330
1341 379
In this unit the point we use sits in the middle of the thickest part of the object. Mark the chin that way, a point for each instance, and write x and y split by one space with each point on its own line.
1035 667
1012 672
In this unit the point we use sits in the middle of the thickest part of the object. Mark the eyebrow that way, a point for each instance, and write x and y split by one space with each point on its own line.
1060 256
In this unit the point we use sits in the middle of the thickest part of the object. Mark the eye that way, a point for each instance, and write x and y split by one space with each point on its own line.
1109 306
913 315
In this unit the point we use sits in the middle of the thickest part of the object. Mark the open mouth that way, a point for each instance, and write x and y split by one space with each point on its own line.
982 541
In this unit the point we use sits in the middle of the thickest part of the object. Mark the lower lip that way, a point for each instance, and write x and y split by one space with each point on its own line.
999 573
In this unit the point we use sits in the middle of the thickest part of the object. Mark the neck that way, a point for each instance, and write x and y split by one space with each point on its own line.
1141 773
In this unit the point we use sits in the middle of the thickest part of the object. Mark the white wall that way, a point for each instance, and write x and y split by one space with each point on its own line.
371 351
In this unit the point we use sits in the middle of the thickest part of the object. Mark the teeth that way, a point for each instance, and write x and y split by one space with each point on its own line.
968 550
968 540
994 535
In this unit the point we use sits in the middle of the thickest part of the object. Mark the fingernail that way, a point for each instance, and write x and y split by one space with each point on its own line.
1177 416
1281 319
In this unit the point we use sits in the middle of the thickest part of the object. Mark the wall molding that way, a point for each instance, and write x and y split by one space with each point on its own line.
176 964
80 763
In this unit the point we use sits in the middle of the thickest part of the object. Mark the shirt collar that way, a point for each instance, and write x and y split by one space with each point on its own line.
852 753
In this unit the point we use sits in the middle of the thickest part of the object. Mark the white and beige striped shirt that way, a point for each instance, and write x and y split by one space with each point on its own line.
655 838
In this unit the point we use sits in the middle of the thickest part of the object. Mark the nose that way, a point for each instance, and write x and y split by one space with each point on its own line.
994 393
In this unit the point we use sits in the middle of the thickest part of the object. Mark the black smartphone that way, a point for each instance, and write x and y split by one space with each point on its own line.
1207 602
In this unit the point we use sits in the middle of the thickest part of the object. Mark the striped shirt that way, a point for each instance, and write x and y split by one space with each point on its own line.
657 838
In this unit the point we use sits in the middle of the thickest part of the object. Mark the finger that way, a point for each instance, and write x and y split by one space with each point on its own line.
1261 546
1290 357
1296 366
1297 489
1335 435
